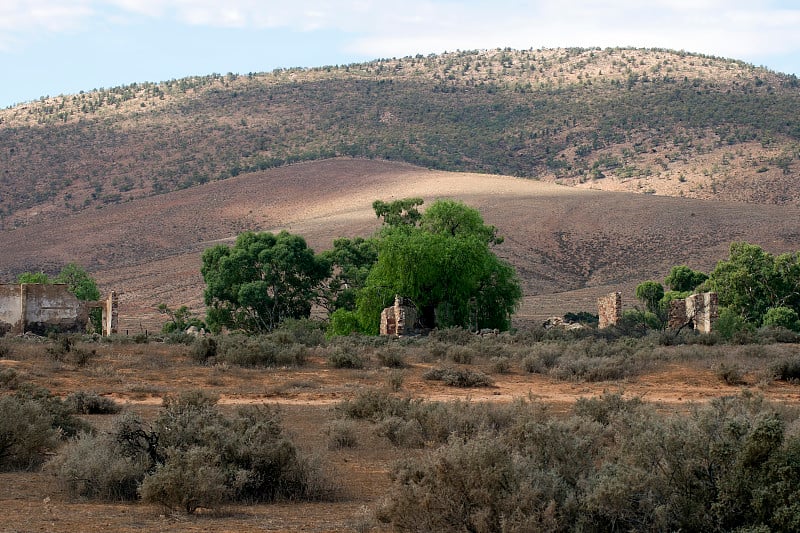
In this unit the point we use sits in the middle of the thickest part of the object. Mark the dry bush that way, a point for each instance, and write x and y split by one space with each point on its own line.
91 403
463 355
26 432
500 364
193 456
458 377
251 351
731 374
339 357
615 465
391 356
341 433
9 378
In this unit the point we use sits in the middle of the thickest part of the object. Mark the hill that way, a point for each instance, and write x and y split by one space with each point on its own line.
569 245
650 121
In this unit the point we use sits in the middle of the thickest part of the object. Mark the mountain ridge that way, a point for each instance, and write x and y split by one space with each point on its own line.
640 120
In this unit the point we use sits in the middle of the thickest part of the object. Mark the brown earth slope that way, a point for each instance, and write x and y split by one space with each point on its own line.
569 245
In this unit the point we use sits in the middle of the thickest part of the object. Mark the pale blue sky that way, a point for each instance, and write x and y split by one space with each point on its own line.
51 47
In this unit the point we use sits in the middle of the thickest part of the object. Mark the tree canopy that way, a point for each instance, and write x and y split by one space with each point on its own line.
260 281
78 281
752 281
445 267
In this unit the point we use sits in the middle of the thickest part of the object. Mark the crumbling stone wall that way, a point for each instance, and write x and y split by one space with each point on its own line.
399 319
677 314
609 310
42 308
698 311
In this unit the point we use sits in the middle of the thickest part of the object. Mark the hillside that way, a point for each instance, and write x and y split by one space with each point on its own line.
568 245
649 121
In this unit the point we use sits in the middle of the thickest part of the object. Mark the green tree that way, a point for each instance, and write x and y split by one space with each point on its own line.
179 319
350 261
78 282
681 278
752 281
448 272
260 281
399 212
650 294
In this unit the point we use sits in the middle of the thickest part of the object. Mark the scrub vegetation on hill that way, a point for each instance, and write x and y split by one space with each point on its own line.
710 127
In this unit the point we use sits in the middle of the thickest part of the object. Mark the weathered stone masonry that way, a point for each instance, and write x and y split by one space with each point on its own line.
609 310
42 308
698 311
399 319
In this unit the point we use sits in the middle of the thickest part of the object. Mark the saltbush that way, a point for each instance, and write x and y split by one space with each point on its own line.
193 456
458 377
91 403
26 432
260 350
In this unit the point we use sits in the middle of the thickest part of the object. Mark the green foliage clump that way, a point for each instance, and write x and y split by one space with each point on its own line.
782 317
751 282
261 281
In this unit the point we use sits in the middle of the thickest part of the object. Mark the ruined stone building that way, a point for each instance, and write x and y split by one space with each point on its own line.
399 319
44 308
698 312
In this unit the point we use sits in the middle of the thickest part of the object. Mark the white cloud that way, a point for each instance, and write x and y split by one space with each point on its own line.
735 28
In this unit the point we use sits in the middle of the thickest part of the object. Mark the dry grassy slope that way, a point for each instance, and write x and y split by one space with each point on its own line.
568 245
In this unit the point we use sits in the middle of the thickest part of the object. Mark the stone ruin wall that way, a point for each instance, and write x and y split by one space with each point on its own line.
42 308
398 320
698 311
609 310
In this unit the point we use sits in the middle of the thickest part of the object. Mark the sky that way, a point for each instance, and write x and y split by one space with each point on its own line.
52 47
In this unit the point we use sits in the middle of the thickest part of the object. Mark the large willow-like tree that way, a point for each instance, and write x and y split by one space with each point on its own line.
446 267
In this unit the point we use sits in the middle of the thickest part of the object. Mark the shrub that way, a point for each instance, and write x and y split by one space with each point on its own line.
729 323
5 349
189 479
26 433
391 356
374 404
195 457
782 317
303 331
341 434
462 355
202 349
9 378
500 364
105 466
456 377
91 403
342 358
730 374
787 369
395 379
401 432
62 417
260 350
